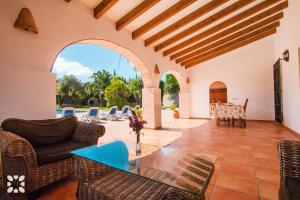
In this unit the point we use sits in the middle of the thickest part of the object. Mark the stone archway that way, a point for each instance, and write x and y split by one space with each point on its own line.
184 93
149 92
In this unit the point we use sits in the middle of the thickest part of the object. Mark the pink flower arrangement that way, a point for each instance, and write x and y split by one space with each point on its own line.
134 122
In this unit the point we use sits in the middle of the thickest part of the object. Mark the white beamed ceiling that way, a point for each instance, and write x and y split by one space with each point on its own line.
124 6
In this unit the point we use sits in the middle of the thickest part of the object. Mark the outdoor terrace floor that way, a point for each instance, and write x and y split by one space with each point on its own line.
247 166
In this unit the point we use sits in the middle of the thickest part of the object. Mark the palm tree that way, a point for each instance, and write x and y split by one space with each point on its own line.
101 80
135 87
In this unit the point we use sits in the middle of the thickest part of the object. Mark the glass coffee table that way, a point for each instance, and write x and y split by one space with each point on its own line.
184 171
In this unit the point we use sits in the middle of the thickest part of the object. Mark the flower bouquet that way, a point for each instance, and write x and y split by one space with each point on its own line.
136 125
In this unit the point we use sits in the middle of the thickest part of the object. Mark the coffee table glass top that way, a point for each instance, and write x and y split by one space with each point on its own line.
183 171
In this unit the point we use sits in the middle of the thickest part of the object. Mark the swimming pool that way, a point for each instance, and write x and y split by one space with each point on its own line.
59 111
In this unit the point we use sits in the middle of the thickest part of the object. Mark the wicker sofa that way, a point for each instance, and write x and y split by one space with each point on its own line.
20 157
289 155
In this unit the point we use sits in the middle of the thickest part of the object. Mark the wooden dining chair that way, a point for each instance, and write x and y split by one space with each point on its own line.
222 115
245 105
243 119
212 107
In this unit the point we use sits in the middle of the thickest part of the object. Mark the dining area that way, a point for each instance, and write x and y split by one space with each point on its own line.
230 114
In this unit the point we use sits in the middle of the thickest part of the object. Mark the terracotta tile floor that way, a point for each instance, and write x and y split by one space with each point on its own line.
247 166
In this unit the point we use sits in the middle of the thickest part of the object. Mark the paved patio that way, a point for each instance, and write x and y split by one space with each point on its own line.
247 166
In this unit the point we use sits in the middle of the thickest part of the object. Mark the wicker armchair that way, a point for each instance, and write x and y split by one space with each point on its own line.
289 155
18 157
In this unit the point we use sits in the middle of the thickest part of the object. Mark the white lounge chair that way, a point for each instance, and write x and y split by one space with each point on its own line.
111 114
137 107
124 113
92 115
68 112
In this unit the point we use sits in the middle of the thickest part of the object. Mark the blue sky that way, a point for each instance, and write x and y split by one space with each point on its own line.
82 60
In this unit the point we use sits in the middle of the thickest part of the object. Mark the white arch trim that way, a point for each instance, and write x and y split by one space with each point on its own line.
184 86
184 94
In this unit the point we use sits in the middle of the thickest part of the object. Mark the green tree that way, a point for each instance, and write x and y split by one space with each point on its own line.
117 93
162 87
101 80
58 88
59 93
171 85
71 89
135 87
88 92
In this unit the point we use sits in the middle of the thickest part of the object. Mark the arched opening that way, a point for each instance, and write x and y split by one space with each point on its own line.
217 94
170 89
129 55
174 96
97 63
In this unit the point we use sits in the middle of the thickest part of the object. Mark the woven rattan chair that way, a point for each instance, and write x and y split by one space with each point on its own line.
102 183
289 155
18 157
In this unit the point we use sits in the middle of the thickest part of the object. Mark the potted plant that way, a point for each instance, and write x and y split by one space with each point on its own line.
176 112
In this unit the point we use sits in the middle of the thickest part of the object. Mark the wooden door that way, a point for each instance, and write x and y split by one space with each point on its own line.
218 95
278 91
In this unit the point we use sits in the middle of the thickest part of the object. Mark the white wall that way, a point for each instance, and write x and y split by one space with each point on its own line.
247 72
59 24
288 37
26 93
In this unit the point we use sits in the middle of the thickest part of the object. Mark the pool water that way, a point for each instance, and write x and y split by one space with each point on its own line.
59 111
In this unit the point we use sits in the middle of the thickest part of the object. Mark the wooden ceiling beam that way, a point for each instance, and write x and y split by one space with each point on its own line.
233 47
229 22
185 20
233 36
135 13
242 41
228 31
230 40
173 10
211 19
103 7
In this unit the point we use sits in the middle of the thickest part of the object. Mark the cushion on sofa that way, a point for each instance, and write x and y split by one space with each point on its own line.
57 152
41 132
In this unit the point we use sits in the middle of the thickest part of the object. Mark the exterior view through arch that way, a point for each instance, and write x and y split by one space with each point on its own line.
170 89
179 98
134 59
149 110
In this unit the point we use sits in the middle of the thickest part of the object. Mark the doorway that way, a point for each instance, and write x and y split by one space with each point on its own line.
278 91
218 92
217 95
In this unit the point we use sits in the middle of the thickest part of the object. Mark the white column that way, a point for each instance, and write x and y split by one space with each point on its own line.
151 107
184 105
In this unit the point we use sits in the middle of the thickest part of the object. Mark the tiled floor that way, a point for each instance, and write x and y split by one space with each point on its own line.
247 166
